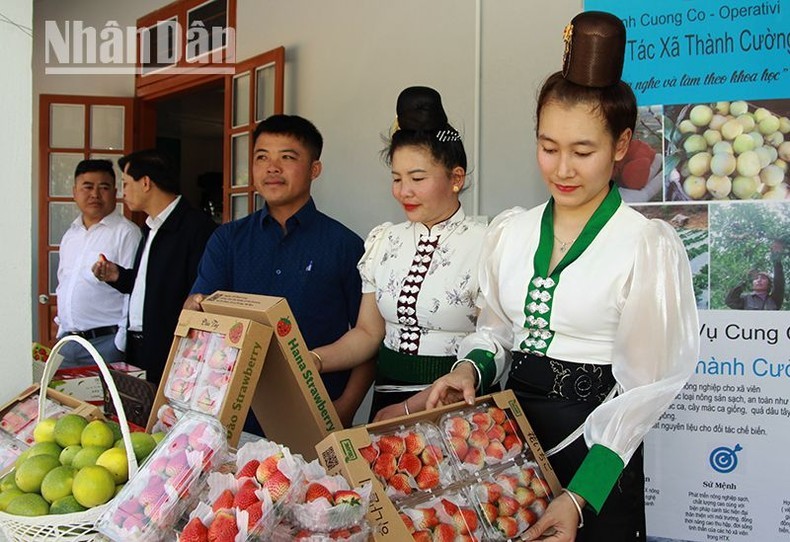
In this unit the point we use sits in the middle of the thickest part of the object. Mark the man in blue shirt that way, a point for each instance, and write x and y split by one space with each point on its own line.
290 249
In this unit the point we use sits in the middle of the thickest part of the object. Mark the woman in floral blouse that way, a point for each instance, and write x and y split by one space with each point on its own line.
419 278
583 297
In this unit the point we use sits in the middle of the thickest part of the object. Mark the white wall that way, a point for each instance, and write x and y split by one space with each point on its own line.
347 61
16 108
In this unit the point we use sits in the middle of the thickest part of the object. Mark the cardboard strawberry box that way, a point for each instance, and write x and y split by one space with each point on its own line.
290 402
84 383
213 367
410 470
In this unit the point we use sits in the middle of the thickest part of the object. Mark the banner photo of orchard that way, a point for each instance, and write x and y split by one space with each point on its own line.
710 156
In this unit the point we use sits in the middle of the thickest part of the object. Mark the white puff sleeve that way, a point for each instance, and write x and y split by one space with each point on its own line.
371 259
656 346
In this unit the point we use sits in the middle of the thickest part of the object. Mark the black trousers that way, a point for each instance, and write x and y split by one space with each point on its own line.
555 408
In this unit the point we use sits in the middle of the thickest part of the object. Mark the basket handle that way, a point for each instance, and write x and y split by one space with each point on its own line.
52 365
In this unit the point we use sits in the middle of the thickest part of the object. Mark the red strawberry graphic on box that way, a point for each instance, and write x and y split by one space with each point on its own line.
235 332
283 327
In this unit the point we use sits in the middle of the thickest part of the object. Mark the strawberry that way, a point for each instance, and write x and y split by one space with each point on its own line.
482 420
478 438
507 526
490 492
508 482
428 477
511 428
245 497
410 464
414 442
449 506
194 531
475 457
267 467
525 476
458 427
385 466
254 514
497 414
422 536
465 520
317 491
495 450
444 532
466 538
370 453
400 483
526 516
432 455
539 486
511 442
392 444
278 485
303 534
525 496
460 447
496 433
340 534
407 521
248 470
347 497
490 511
425 518
223 528
224 501
507 506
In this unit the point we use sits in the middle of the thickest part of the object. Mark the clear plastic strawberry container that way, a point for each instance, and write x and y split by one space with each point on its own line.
511 499
150 504
410 459
201 371
249 504
448 515
481 436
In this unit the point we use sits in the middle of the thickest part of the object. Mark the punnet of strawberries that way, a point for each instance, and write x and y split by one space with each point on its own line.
480 436
410 460
328 503
449 516
250 503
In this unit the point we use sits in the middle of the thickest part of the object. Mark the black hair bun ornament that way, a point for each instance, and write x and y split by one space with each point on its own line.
420 109
594 49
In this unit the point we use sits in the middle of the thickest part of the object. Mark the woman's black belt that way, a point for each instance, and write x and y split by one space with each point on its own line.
559 379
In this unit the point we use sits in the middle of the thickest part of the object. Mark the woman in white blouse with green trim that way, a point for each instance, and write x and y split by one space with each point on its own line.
587 306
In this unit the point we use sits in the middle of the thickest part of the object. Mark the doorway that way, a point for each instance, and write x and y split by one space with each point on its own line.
190 130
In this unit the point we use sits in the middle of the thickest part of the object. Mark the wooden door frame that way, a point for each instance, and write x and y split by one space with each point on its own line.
45 311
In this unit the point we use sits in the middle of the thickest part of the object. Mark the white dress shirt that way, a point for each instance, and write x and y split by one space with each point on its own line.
84 302
138 292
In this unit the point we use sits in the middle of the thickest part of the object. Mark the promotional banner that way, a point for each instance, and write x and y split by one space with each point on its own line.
710 156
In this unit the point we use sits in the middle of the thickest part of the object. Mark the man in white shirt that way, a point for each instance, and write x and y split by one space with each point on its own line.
86 306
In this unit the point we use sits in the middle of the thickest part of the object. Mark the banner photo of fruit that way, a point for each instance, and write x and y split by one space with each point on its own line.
715 79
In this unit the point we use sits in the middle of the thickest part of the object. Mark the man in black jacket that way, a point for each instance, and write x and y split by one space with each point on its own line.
165 265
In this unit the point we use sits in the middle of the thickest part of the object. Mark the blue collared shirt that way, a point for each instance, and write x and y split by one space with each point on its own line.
313 266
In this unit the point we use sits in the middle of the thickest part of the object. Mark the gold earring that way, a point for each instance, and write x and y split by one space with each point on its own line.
456 188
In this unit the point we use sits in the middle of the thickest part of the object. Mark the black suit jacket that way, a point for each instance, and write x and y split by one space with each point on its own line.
172 268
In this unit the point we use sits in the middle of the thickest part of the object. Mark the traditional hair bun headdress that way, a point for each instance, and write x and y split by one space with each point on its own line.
420 109
594 49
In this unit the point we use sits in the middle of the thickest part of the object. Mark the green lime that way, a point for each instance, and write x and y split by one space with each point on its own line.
30 474
66 505
57 483
68 429
28 504
8 495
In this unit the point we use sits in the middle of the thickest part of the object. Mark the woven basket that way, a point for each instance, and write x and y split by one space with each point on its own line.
79 526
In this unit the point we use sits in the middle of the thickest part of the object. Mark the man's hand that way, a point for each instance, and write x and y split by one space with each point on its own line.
105 270
193 302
